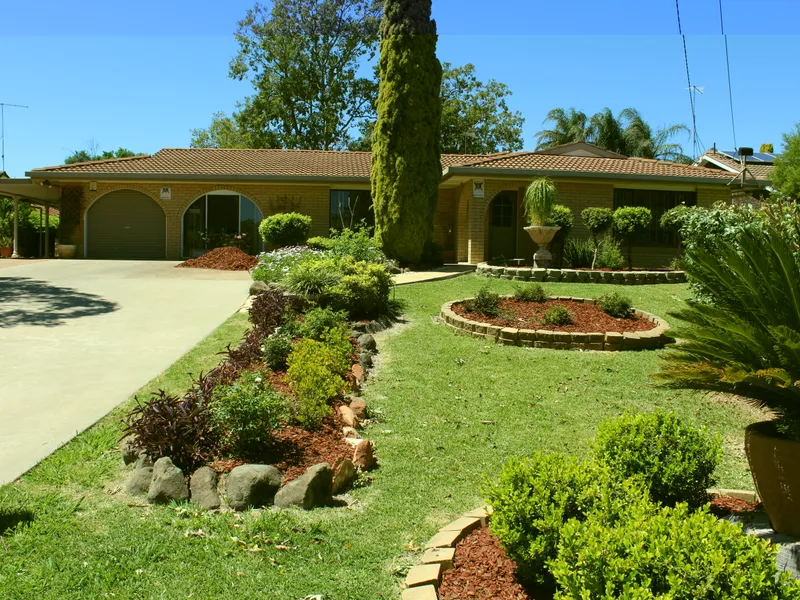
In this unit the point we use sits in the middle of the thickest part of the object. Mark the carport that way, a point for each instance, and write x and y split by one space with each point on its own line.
23 189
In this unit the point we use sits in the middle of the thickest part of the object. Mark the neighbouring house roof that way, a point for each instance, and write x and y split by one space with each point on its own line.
717 160
580 149
331 165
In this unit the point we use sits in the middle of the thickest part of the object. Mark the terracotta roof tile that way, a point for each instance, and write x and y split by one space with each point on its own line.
759 171
334 164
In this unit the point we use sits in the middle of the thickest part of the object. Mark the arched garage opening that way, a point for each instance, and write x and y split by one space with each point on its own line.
126 224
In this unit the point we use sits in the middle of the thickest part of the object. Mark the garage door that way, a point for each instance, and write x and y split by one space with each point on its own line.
125 224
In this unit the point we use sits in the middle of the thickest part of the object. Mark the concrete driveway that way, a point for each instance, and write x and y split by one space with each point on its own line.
79 337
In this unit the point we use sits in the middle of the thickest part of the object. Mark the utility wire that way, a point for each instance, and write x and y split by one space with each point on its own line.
688 81
728 62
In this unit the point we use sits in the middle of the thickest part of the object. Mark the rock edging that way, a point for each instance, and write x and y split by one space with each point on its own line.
581 276
562 340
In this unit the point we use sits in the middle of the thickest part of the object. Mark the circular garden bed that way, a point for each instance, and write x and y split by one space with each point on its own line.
520 324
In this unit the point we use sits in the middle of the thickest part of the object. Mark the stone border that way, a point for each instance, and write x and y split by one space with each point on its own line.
580 276
562 340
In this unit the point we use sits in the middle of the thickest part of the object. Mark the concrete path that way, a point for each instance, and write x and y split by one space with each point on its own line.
79 337
445 272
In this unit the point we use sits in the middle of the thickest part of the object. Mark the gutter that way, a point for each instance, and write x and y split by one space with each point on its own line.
525 173
159 177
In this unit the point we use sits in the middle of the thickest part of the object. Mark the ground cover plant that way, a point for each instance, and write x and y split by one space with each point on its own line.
458 402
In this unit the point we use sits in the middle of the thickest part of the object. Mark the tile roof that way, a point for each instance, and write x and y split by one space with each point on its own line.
335 164
759 171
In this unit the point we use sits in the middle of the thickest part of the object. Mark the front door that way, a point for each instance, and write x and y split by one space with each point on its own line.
502 227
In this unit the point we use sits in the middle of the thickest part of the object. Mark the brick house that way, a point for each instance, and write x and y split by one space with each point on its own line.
175 203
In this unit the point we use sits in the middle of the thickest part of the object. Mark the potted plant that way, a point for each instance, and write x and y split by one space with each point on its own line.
743 338
540 197
5 246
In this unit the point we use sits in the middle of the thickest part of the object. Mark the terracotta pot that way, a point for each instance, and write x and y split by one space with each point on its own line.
5 252
66 250
775 463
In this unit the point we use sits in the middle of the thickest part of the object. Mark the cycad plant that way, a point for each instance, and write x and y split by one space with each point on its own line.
744 338
540 198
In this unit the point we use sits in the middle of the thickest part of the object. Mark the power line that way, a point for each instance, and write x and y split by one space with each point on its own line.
688 81
728 63
3 130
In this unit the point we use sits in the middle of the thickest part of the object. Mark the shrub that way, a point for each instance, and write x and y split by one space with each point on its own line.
244 413
357 244
485 302
675 461
277 348
533 498
533 292
674 218
629 221
320 243
609 255
166 425
267 311
578 253
318 321
561 216
363 290
285 229
313 277
598 221
557 315
314 376
616 305
273 266
670 554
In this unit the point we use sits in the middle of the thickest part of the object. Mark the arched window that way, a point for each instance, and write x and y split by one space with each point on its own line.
221 219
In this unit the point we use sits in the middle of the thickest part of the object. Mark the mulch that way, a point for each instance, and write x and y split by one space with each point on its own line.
227 258
587 318
724 506
483 571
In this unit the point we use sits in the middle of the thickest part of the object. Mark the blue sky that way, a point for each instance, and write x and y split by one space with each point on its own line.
142 75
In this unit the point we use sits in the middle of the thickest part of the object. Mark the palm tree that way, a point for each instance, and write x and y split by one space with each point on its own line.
568 126
627 133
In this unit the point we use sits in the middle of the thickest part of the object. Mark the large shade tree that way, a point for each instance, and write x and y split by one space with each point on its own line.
406 166
92 153
626 133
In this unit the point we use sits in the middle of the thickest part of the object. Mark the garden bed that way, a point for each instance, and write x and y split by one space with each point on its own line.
569 337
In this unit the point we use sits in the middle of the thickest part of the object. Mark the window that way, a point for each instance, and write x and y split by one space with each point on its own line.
221 219
659 202
350 207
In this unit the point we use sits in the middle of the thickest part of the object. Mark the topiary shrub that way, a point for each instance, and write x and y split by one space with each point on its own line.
670 554
315 378
245 413
557 315
533 498
675 461
629 221
616 305
533 292
485 302
598 221
285 229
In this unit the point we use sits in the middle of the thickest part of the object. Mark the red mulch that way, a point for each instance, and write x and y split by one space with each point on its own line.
723 506
227 258
482 571
587 318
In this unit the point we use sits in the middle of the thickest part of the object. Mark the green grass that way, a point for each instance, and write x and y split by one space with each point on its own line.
453 409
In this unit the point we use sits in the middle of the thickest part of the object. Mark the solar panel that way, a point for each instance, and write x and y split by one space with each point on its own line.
758 157
765 156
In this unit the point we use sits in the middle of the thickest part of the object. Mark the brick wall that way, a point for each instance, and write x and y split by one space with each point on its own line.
313 200
709 196
444 223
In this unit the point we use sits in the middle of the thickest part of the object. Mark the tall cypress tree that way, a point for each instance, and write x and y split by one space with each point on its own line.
406 167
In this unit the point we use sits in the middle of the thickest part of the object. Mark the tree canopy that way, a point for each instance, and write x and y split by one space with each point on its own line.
626 133
93 154
786 175
223 132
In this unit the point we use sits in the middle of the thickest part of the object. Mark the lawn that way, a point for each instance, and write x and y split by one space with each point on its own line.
451 408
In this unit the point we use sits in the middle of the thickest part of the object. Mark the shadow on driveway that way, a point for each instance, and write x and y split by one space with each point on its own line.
26 301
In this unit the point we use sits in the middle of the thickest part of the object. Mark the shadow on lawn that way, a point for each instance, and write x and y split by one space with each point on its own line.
10 518
26 301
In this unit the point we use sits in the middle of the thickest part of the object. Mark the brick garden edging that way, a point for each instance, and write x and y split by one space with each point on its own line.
562 340
580 276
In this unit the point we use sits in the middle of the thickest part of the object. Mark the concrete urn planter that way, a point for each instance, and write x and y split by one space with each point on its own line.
542 235
66 250
775 464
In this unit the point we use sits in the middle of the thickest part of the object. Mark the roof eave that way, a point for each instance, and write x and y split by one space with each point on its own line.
524 173
84 175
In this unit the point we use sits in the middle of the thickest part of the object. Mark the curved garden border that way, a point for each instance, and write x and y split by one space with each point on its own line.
580 276
562 340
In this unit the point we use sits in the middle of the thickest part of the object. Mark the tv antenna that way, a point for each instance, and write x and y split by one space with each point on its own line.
3 129
744 152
